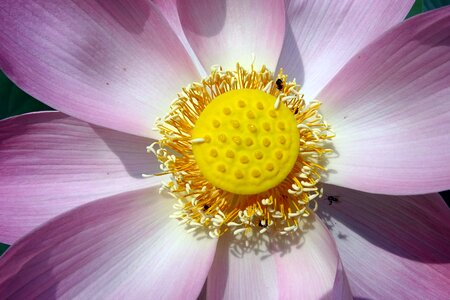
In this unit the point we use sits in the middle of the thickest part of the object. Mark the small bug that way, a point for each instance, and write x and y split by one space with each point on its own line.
332 199
261 224
279 84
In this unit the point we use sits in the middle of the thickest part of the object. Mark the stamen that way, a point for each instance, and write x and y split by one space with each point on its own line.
206 205
277 102
198 140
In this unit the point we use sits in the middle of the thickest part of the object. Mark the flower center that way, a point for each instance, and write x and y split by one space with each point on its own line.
244 153
244 142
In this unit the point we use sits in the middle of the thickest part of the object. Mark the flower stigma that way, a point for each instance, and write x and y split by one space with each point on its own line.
242 144
244 152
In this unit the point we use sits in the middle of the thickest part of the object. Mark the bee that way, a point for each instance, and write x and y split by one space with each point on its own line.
279 84
332 199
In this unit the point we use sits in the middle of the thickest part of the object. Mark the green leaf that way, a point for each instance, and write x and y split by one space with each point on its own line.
433 4
14 101
3 248
426 5
416 9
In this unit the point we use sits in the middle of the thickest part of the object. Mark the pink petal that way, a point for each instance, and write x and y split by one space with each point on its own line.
230 32
392 247
321 36
112 63
238 275
307 269
169 10
51 163
390 110
121 247
341 288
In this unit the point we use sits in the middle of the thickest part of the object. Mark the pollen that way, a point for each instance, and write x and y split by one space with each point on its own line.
243 153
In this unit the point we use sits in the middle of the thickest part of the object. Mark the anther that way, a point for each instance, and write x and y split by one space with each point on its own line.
236 140
216 124
302 126
276 105
235 124
267 87
197 140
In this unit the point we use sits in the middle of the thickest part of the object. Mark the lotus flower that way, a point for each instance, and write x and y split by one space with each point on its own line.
85 224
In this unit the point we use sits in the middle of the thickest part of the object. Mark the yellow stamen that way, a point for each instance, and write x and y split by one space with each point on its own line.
244 152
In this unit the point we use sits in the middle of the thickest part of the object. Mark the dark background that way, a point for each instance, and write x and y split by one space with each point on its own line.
14 101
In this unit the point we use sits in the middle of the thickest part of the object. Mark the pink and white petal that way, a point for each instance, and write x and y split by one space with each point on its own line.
116 64
120 247
229 32
391 246
341 288
169 10
313 270
240 274
390 110
321 36
301 268
51 163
